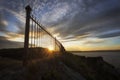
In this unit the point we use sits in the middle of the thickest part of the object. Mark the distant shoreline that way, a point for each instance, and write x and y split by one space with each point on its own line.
96 51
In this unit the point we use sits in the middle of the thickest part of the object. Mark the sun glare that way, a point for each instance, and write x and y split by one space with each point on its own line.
50 48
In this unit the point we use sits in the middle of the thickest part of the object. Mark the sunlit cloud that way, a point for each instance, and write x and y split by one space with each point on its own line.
15 37
93 41
4 22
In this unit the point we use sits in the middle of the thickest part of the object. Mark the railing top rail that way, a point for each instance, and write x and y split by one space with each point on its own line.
41 27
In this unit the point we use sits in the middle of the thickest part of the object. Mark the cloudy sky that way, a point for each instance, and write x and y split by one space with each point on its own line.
78 24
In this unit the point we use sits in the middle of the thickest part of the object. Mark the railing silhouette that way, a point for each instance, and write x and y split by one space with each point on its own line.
36 36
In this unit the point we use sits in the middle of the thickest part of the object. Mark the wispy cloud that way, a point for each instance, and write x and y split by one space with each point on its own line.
93 41
59 11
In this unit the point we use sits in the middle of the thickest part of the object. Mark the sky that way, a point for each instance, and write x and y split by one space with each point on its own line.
82 25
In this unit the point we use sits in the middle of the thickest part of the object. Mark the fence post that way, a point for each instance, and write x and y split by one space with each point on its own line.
55 44
26 40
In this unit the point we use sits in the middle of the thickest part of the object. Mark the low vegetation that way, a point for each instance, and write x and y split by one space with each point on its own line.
51 66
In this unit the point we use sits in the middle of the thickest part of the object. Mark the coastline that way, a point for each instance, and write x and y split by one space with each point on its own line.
92 68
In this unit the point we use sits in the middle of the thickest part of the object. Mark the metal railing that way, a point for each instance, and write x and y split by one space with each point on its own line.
36 36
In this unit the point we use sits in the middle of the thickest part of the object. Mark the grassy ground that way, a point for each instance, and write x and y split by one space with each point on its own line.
41 66
52 66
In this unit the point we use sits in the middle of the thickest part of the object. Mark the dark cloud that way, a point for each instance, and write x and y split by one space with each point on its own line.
115 12
4 43
109 34
96 22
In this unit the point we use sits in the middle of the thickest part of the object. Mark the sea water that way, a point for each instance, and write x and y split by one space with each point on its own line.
112 57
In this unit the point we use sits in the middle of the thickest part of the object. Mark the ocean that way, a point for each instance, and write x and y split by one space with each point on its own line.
112 57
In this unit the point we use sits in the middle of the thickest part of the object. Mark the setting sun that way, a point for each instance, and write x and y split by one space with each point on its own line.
51 48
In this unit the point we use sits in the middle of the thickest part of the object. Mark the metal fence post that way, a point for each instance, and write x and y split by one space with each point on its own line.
55 43
26 41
